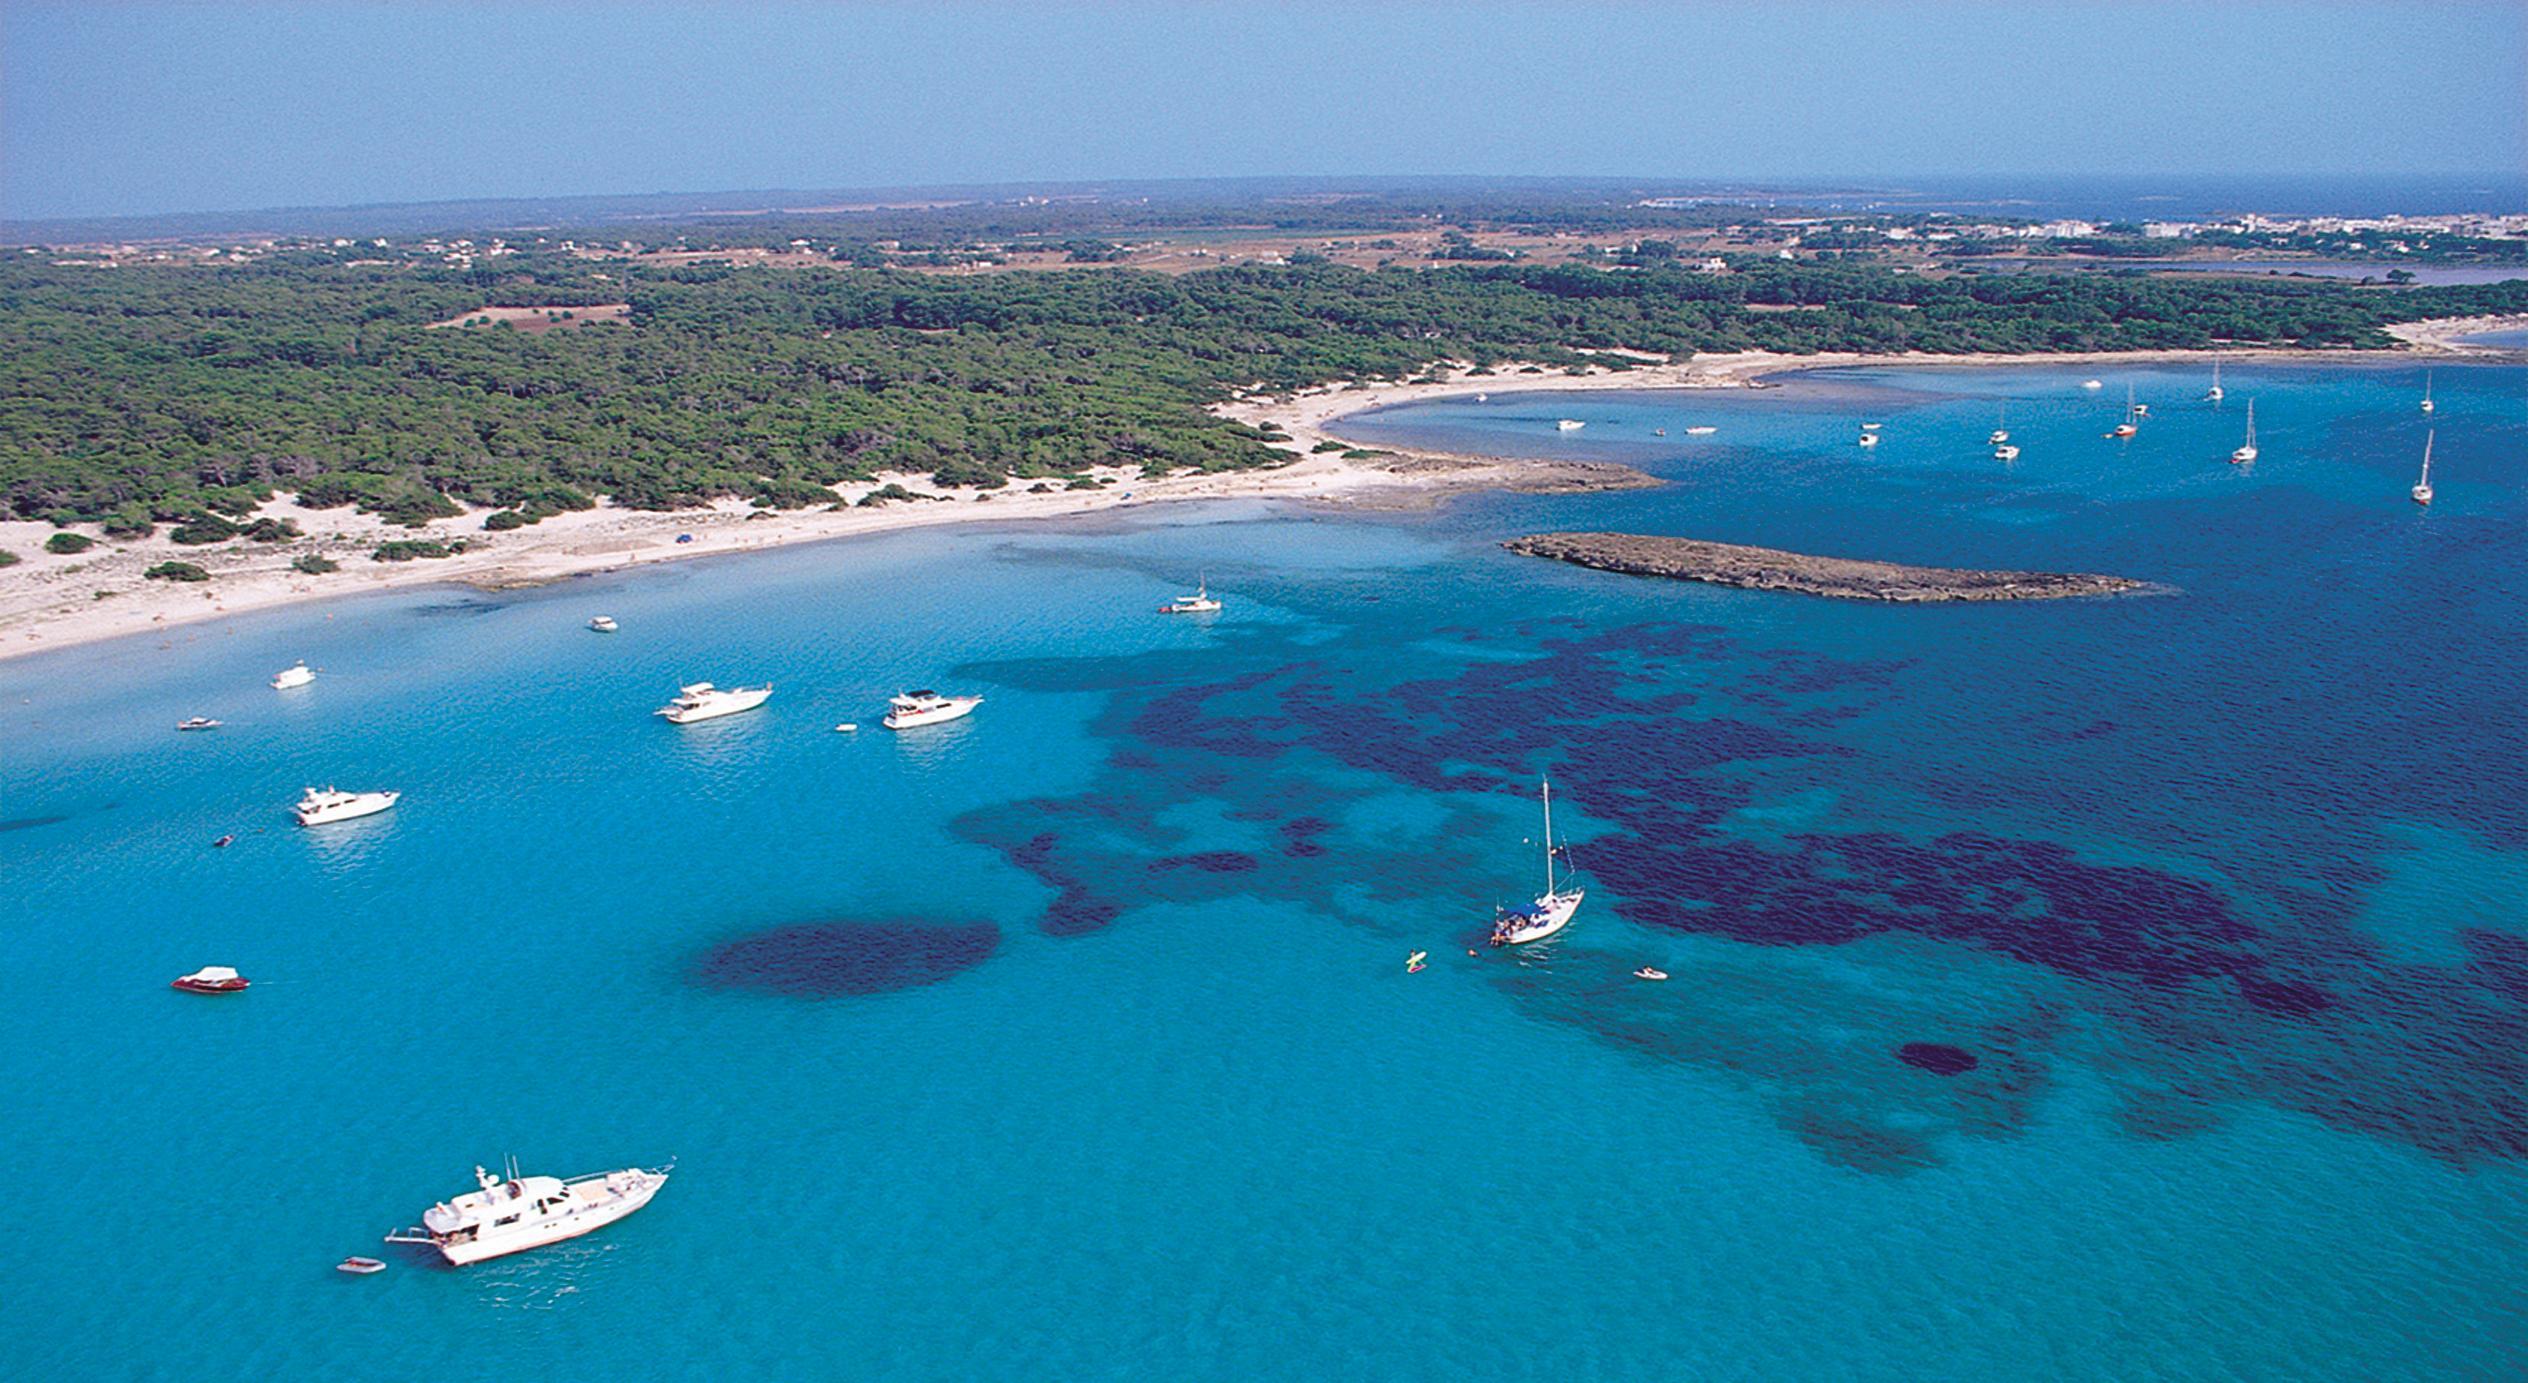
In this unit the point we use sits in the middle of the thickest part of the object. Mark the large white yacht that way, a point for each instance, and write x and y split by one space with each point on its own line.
513 1213
323 806
1552 910
927 708
702 701
297 674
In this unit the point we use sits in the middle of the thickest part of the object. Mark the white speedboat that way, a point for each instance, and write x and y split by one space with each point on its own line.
1199 603
324 806
1552 910
514 1213
1569 425
2247 450
2007 451
702 701
603 624
1700 431
2093 384
2422 487
297 674
927 708
197 723
1650 972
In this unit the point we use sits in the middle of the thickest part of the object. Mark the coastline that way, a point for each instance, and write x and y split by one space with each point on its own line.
50 601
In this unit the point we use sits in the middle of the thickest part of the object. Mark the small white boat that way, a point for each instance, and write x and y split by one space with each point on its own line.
2247 450
297 674
2093 384
1700 431
1199 603
514 1213
2422 487
1649 972
359 1267
1483 398
702 701
1552 910
920 708
323 807
1868 439
846 727
212 979
603 624
197 723
2007 451
2216 393
2428 405
1569 425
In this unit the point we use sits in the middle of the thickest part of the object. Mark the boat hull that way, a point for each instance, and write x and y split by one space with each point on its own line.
219 987
568 1226
1550 914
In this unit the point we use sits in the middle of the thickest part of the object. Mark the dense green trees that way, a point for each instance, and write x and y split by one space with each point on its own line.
181 395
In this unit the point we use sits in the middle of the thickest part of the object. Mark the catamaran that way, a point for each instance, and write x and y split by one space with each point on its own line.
1552 910
2422 487
512 1213
2428 405
702 701
2247 451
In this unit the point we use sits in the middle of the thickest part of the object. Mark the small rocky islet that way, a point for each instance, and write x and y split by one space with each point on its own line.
1840 578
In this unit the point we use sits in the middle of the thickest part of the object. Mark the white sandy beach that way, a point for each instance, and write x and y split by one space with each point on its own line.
51 600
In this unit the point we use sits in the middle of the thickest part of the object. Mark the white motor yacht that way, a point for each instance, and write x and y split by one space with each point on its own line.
1199 603
324 806
603 624
1552 910
514 1213
702 701
297 674
927 708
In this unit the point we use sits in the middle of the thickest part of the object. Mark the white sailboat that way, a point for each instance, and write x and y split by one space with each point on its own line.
2247 451
2427 403
2422 487
2001 428
1552 910
2215 394
2132 419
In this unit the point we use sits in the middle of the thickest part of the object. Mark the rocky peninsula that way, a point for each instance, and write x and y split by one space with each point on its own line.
1842 578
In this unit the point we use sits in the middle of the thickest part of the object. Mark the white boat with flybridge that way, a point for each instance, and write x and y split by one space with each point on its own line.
2422 487
1199 603
703 701
918 708
297 674
510 1213
325 806
2247 450
1552 910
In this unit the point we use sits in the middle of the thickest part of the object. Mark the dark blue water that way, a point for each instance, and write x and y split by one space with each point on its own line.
2089 989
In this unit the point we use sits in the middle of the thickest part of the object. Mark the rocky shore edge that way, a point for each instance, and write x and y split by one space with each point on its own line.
1838 578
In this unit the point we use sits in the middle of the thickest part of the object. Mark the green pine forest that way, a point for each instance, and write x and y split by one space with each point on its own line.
183 394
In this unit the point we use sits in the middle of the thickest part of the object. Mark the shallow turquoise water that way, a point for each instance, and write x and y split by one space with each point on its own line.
2220 887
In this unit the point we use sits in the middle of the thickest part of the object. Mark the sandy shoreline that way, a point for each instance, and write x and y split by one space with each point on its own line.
51 600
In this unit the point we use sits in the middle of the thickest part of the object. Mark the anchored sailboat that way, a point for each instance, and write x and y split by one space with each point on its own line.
2427 403
2247 452
2132 417
2422 487
2215 394
1552 910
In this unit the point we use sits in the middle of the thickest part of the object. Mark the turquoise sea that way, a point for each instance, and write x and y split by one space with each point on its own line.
1075 1040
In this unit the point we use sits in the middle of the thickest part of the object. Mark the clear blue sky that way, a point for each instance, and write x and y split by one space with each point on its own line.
110 108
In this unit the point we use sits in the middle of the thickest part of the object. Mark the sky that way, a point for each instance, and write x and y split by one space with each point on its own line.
125 108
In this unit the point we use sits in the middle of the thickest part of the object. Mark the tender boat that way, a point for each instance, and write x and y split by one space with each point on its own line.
1569 425
513 1213
297 674
1868 439
1658 432
2247 450
603 624
2093 384
1650 973
926 707
197 723
210 979
702 701
2422 487
1199 603
328 805
359 1266
1552 910
222 843
846 727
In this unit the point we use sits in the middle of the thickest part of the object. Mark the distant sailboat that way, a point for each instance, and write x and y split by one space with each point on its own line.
1552 910
2131 423
2422 487
2001 427
2247 451
2427 403
2215 394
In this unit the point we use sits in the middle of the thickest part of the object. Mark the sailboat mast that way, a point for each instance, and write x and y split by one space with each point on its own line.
2426 480
1549 829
